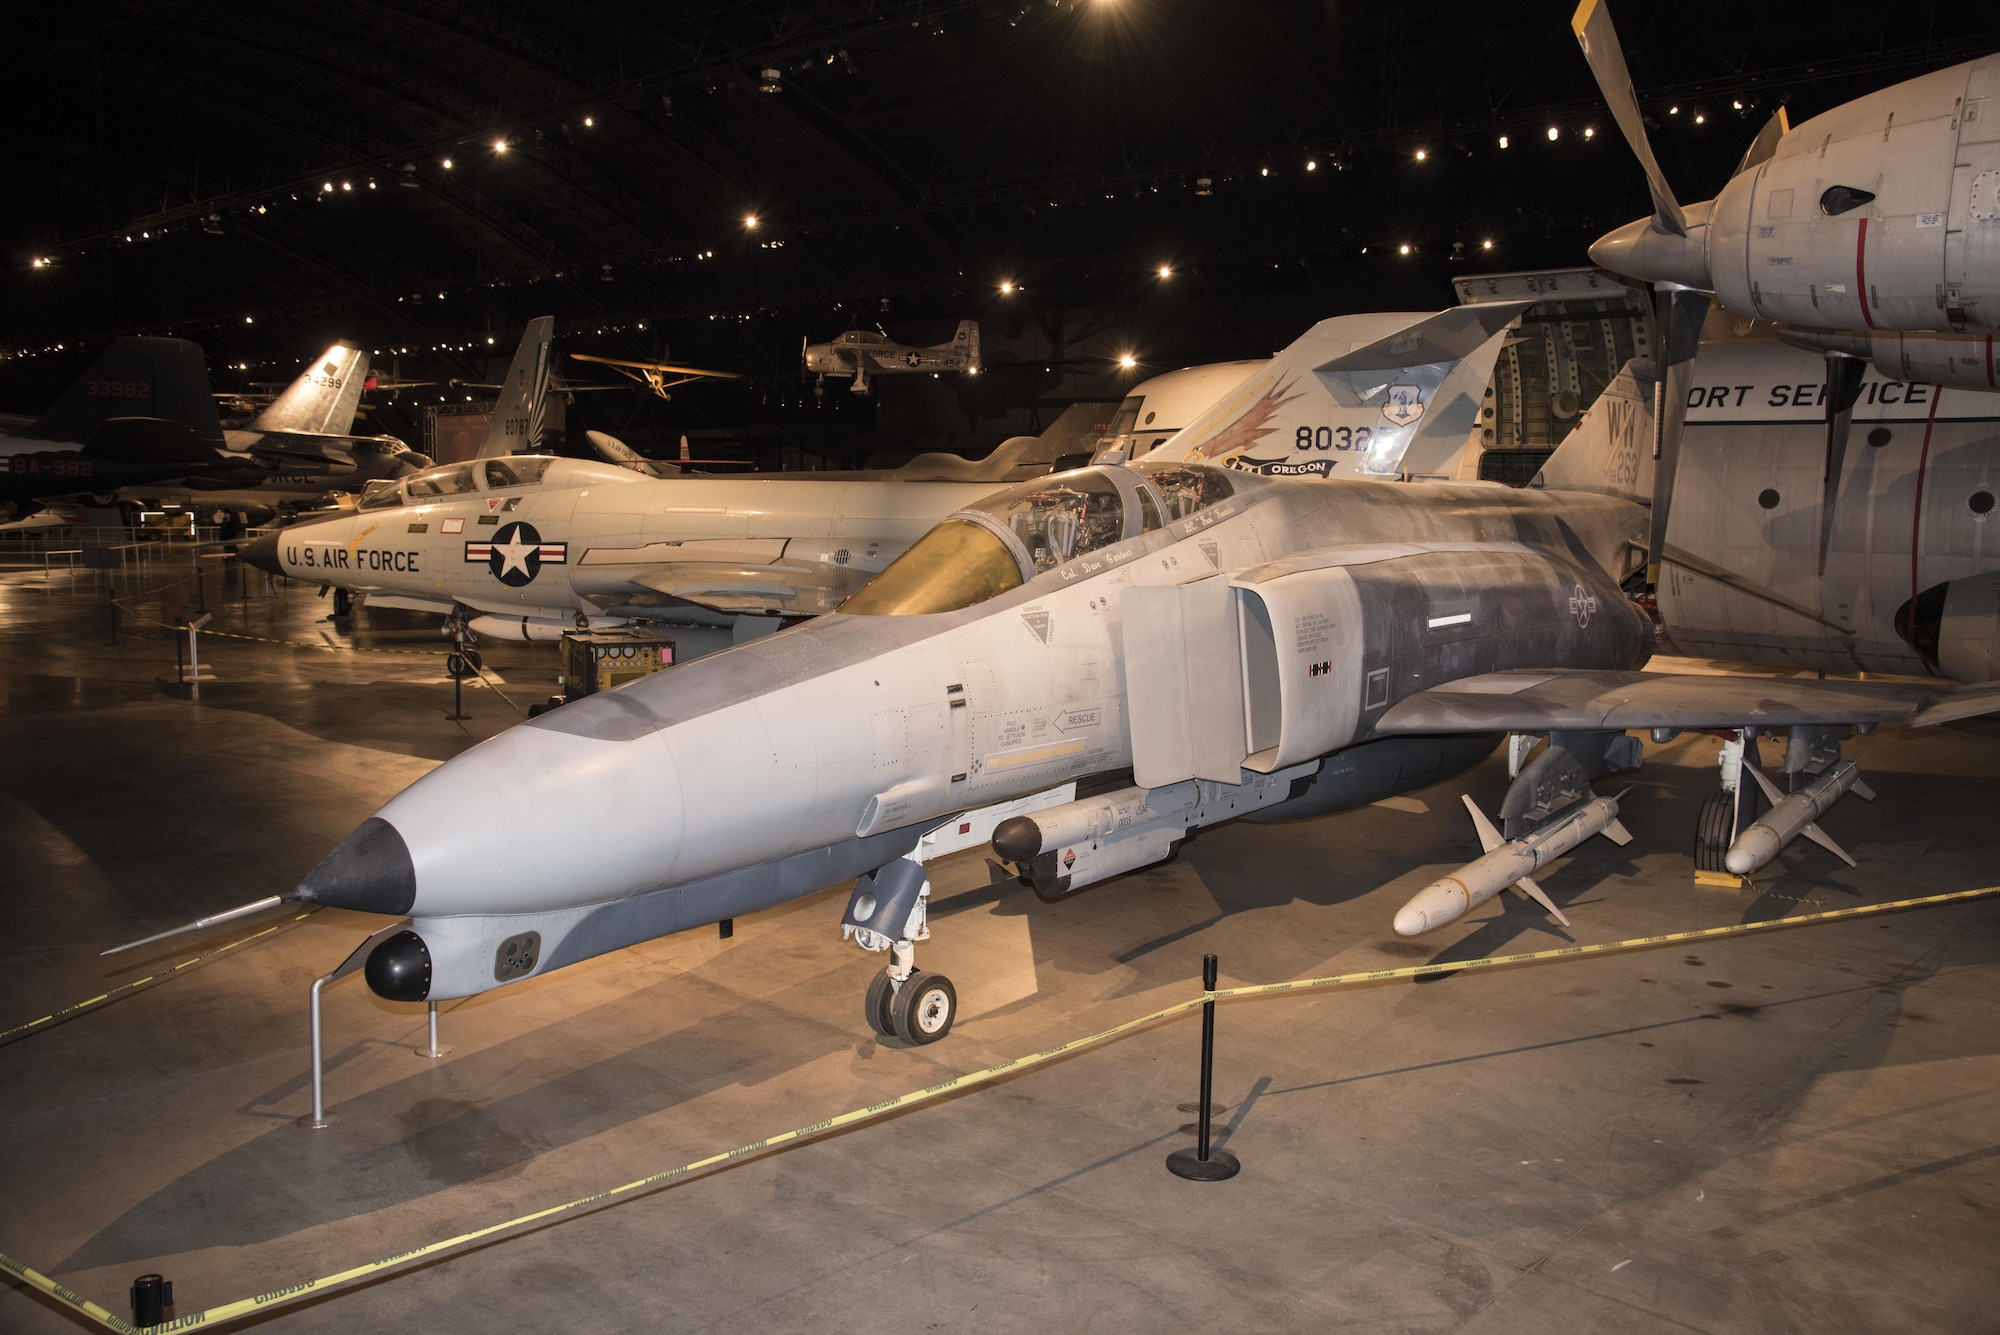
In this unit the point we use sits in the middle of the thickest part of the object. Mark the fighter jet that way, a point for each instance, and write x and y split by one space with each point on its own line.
142 413
1240 644
862 353
1374 393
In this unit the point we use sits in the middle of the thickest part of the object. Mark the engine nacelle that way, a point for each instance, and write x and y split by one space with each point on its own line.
1955 626
1957 361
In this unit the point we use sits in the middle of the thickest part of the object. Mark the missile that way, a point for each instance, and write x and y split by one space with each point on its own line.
1509 862
1792 816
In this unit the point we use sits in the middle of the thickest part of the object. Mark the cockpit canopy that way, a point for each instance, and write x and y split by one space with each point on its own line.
1016 534
496 474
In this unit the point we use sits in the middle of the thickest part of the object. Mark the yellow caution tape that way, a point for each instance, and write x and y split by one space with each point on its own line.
126 989
265 1302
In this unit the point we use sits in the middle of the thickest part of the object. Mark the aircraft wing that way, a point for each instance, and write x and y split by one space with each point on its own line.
282 449
1589 701
801 588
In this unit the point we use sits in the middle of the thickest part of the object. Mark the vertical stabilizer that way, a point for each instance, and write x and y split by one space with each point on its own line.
1611 450
966 343
165 378
1382 396
516 425
322 401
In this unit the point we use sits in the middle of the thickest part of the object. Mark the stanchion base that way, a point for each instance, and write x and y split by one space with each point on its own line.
438 1051
311 1123
1219 1165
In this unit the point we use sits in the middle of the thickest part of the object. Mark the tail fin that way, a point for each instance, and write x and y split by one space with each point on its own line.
967 342
322 400
1610 451
1489 838
164 378
1358 396
516 426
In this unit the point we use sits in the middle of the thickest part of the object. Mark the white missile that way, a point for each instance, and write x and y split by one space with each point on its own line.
1508 862
1792 816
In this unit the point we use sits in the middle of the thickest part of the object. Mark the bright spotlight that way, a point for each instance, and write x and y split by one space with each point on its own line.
589 121
1007 287
1128 361
1486 245
1403 249
1555 132
1311 165
499 145
1503 141
447 164
750 222
1590 132
1422 154
1166 271
1699 118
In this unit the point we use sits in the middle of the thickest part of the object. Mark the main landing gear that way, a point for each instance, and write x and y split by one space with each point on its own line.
890 910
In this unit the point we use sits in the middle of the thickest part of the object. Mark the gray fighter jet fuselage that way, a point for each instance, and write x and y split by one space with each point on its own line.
1242 645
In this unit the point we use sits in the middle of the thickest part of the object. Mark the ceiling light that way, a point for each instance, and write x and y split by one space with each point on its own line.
347 185
1007 287
1590 132
1503 141
1403 249
1311 165
1422 154
1673 111
589 121
1486 245
499 145
326 189
750 221
1166 271
447 164
1127 361
1555 132
1699 118
1265 172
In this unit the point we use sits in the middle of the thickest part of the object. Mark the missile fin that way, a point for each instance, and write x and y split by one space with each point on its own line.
1770 789
1489 838
1825 840
1529 890
1861 789
1616 832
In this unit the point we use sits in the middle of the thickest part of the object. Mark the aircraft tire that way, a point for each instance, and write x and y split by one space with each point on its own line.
1712 831
881 992
924 1008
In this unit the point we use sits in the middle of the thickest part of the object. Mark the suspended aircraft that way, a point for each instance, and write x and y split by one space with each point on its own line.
861 353
654 375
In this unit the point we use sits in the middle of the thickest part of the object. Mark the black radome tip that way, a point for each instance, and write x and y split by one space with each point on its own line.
369 871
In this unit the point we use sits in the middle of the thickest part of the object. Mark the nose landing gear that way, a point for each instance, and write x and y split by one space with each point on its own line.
890 910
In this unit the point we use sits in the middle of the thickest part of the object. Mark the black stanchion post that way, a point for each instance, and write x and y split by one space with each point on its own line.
180 651
151 1297
456 666
200 584
726 928
1203 1164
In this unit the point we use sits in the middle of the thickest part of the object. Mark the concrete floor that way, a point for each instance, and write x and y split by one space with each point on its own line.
1793 1131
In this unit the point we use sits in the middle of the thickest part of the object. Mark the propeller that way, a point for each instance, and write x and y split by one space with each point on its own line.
1668 251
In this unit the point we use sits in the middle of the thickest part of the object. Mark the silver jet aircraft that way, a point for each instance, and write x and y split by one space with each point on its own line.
862 353
1242 645
532 547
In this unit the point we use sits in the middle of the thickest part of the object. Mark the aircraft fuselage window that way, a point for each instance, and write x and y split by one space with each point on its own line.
381 494
520 471
453 481
1187 488
1060 518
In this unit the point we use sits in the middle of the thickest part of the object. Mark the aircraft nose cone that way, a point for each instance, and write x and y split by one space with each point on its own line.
370 871
1641 251
262 553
